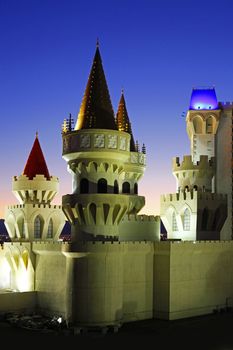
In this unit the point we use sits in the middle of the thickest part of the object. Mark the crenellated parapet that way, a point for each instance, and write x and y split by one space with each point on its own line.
190 175
141 218
36 190
36 206
187 163
192 195
226 105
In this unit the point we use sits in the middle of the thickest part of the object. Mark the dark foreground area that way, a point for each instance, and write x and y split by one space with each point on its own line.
214 332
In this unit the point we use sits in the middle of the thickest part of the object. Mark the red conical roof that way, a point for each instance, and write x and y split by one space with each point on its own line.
36 164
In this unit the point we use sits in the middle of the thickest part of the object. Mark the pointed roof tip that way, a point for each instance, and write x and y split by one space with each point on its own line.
96 111
123 122
97 43
36 164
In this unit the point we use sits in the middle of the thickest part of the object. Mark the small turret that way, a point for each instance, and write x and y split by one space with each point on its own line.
35 185
194 176
35 218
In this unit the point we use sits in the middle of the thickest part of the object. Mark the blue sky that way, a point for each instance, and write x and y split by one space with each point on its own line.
156 50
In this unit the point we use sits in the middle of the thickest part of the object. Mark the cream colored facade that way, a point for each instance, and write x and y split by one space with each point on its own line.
115 269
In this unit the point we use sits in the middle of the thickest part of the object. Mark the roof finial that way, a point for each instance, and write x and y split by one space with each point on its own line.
37 134
97 43
122 91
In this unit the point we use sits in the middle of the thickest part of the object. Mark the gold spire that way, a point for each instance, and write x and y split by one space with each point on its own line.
123 122
96 110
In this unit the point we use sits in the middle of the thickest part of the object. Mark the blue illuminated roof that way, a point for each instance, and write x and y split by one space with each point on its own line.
203 98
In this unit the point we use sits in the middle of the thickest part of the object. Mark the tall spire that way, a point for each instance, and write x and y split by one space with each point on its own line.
36 164
96 111
123 122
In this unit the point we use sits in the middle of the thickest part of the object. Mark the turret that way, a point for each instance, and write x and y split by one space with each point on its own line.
35 217
194 176
103 162
35 185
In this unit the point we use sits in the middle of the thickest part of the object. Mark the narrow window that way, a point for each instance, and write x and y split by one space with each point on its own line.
116 187
102 186
37 227
84 186
126 187
205 217
186 220
50 229
174 223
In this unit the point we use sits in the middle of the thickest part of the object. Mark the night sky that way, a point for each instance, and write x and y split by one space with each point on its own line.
156 50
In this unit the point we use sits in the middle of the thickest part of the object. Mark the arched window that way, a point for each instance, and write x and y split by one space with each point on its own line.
102 186
116 187
195 187
37 227
174 223
186 220
126 187
135 188
197 124
209 125
84 186
21 227
205 217
50 229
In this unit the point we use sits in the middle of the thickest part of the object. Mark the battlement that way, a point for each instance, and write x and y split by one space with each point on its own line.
22 206
199 244
187 163
140 218
35 178
192 195
226 105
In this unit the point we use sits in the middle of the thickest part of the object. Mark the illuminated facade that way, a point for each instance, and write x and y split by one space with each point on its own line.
201 208
115 269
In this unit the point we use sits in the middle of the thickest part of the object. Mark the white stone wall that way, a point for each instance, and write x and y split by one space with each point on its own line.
192 278
139 228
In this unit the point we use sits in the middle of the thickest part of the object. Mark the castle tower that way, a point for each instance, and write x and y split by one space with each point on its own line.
103 161
105 169
35 218
196 211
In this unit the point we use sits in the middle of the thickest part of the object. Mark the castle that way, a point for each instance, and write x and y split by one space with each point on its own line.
115 268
